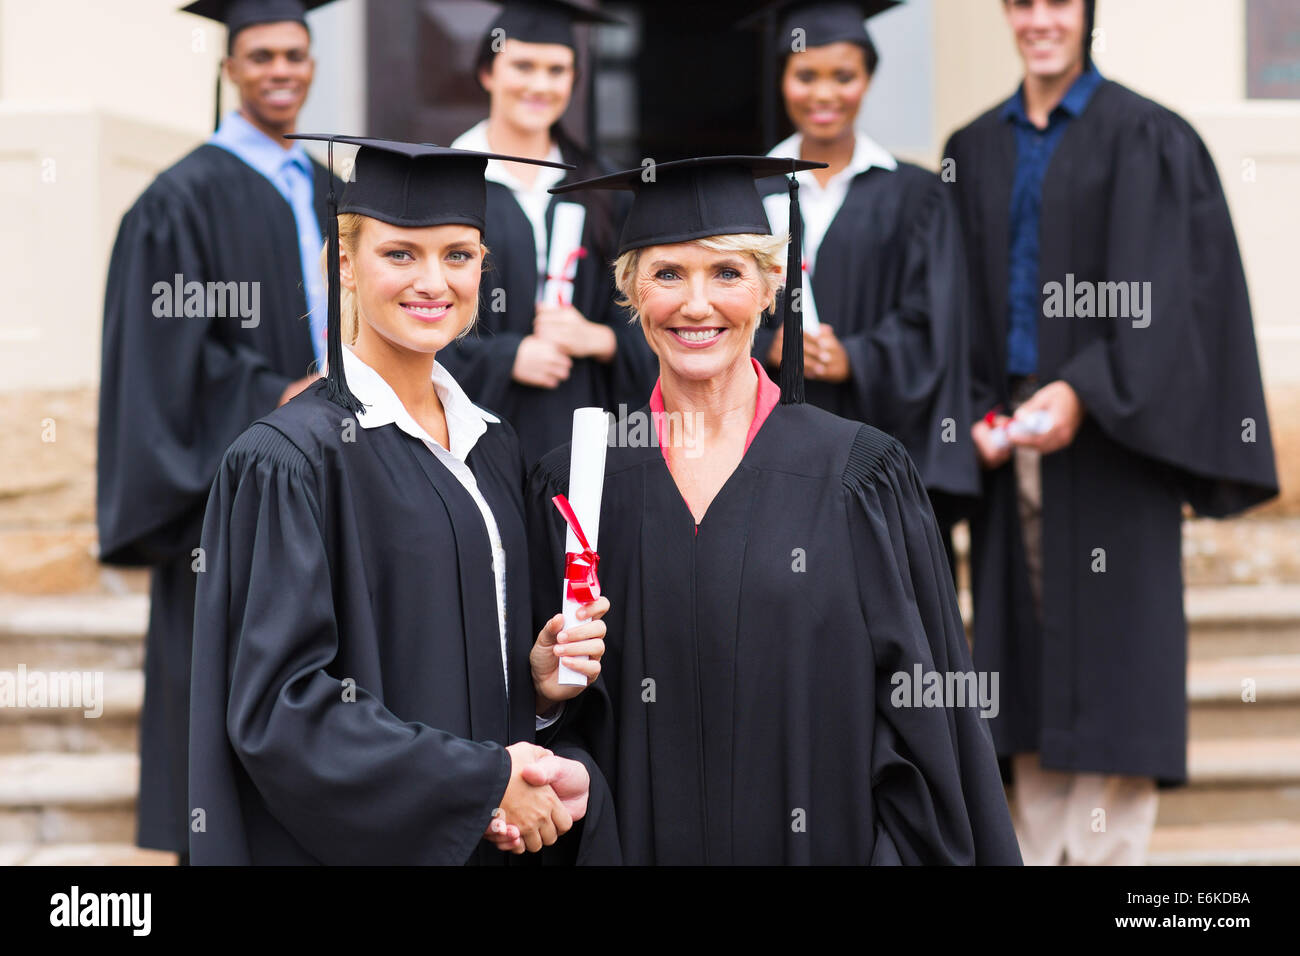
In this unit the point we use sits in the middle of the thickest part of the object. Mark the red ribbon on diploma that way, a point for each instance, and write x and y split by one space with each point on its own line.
569 275
580 579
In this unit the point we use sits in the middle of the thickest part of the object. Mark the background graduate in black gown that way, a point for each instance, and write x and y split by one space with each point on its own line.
362 645
205 329
532 359
777 577
1078 189
886 277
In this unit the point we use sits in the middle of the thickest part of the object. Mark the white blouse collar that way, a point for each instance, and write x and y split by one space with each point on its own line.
466 422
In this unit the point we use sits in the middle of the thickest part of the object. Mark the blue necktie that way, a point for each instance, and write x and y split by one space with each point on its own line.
297 184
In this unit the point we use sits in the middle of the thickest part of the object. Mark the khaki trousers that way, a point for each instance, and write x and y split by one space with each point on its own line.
1061 817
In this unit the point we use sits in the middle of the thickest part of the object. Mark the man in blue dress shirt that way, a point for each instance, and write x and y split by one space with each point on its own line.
214 314
1125 349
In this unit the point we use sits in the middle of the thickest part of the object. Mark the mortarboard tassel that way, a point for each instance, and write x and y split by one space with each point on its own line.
336 385
791 319
216 122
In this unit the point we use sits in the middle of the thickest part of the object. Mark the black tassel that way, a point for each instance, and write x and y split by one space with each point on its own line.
336 385
216 123
791 317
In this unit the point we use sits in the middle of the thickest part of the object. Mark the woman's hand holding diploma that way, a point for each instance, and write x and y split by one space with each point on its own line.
555 643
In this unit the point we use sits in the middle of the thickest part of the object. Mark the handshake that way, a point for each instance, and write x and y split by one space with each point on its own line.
544 797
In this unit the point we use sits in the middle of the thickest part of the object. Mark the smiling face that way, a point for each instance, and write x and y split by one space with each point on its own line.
699 307
823 89
416 289
1048 34
272 66
530 84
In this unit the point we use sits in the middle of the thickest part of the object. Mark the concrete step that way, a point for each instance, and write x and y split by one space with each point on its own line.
1194 804
41 780
78 632
69 736
85 854
32 729
70 694
50 825
1268 843
1243 621
1235 781
1250 761
1259 549
1215 691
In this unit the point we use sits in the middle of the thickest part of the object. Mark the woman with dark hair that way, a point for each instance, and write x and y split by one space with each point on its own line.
550 338
884 297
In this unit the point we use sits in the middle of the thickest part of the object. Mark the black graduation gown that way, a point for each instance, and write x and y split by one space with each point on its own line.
1131 195
743 710
483 360
340 555
890 279
174 393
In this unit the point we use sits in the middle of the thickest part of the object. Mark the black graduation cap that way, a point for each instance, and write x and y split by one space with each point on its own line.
715 196
404 184
822 21
238 14
545 21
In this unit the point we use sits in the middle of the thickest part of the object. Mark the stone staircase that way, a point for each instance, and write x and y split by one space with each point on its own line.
1242 803
68 782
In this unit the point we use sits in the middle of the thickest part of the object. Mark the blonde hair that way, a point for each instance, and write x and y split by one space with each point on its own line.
766 251
349 314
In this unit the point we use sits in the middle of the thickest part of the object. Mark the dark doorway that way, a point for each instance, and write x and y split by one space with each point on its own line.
687 74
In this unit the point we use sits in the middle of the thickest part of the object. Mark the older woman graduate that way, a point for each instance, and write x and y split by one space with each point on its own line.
885 338
777 577
362 660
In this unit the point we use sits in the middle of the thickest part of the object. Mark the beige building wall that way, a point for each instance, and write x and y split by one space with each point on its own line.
138 59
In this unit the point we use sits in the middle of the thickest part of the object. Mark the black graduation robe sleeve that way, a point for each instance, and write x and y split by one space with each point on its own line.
934 774
1182 385
173 394
908 362
351 782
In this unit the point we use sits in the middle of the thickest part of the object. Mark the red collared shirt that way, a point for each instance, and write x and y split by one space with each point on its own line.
769 396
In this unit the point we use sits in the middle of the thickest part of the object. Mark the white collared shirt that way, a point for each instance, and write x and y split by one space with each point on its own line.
818 204
533 199
466 423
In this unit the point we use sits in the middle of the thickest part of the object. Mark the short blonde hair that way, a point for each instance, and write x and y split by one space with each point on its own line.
350 224
766 251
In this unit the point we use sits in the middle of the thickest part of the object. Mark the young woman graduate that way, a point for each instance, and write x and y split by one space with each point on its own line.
1076 188
777 578
181 377
884 304
361 645
550 336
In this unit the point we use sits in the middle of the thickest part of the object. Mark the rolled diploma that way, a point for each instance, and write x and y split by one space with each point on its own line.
586 483
561 265
778 215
